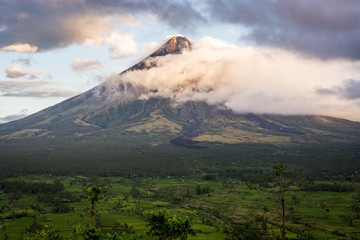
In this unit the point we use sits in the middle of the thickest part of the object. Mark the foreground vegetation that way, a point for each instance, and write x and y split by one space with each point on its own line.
226 207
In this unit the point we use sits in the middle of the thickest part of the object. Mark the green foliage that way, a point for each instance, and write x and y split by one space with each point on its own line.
44 232
355 205
227 208
164 227
334 187
31 187
35 227
81 232
95 193
122 228
280 173
202 190
280 170
255 227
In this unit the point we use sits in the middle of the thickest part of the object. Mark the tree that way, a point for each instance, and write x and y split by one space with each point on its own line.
280 173
95 194
255 227
45 232
81 232
164 227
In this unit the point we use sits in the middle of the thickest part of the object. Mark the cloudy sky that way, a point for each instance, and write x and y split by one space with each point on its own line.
277 56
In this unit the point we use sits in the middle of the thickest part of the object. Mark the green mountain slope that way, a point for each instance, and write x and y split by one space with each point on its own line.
114 126
192 120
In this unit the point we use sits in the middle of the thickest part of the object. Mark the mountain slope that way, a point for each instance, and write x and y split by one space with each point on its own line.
104 96
116 104
111 129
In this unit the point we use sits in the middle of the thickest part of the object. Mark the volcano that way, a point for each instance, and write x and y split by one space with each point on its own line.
111 122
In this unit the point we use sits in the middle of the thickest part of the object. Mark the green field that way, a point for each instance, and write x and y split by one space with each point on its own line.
226 207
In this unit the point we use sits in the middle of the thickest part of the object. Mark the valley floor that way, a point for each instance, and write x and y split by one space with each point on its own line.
227 208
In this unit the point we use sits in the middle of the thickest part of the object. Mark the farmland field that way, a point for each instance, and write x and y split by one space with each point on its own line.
226 208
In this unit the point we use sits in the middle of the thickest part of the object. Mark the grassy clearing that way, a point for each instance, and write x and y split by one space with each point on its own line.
155 124
235 136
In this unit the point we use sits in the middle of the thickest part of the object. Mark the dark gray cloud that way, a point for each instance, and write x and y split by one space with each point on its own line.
349 89
54 24
9 118
325 29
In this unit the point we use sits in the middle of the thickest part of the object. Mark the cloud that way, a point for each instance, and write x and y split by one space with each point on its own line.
57 24
18 85
129 20
23 113
20 47
32 88
25 61
35 73
86 64
309 26
348 89
323 29
120 44
41 93
247 79
14 71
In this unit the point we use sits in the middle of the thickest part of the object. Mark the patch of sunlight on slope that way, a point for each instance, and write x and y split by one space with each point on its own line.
156 123
27 133
83 123
46 121
233 136
322 119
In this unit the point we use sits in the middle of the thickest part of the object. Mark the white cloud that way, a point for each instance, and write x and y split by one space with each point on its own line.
20 47
212 43
86 64
22 83
120 45
248 79
41 93
14 71
35 73
32 88
168 37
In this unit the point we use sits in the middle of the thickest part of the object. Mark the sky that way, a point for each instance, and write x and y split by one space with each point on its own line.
262 56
